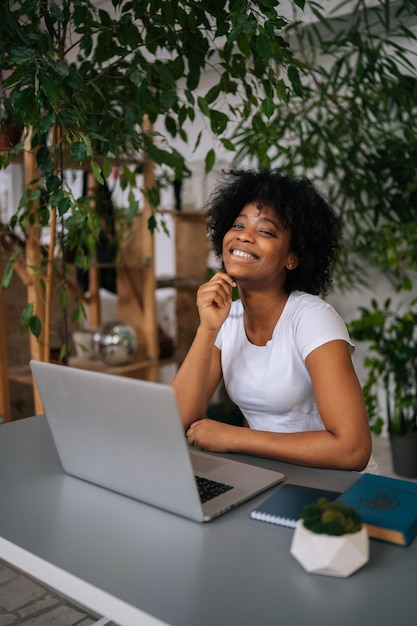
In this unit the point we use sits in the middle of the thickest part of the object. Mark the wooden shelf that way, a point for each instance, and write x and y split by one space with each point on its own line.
136 286
22 373
179 282
99 366
191 253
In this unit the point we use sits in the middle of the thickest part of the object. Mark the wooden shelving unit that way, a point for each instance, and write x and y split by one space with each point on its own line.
191 252
136 292
136 287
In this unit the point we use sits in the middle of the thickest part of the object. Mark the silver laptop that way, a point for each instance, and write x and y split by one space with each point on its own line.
126 435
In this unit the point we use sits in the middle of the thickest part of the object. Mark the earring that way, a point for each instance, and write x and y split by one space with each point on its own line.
292 263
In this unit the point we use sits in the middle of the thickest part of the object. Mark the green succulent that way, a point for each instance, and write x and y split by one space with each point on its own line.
331 518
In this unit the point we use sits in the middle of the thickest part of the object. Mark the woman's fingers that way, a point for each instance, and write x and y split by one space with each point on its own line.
217 290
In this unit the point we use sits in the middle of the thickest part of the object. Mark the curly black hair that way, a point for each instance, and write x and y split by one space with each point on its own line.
314 225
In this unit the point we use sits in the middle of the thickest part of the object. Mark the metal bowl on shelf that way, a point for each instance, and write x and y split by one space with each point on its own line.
115 343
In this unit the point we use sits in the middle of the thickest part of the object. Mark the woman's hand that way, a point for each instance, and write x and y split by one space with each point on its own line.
214 300
211 435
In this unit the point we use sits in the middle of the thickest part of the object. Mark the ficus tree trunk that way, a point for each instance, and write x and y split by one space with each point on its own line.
33 260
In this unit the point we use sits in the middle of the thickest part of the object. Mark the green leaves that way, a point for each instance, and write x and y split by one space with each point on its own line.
294 77
113 83
20 55
268 107
342 114
8 269
83 79
96 169
218 122
210 160
264 46
391 364
331 518
79 151
30 321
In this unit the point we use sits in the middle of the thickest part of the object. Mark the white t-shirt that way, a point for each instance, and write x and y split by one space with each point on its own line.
271 384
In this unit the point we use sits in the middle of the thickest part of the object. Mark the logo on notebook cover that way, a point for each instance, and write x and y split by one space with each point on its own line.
380 500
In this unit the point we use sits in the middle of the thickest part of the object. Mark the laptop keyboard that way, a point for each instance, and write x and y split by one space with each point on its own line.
209 489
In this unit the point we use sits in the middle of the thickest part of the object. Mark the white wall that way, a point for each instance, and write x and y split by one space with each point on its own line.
11 190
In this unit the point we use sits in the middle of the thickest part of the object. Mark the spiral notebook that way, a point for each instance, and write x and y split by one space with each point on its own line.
286 505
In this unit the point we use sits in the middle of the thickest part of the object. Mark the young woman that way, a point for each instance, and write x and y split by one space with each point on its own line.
283 352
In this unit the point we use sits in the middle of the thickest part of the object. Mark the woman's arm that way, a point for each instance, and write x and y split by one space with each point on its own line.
200 372
198 377
344 444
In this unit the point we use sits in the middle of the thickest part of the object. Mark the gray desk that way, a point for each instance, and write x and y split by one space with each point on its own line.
138 565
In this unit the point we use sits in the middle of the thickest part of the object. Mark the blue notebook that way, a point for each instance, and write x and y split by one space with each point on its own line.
387 506
286 504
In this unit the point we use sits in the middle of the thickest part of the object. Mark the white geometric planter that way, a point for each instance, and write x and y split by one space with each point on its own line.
330 555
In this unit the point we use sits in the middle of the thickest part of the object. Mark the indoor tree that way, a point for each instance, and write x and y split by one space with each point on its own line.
81 80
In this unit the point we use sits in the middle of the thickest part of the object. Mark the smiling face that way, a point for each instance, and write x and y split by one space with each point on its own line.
257 247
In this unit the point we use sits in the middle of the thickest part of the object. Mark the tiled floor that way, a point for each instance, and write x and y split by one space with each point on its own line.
27 602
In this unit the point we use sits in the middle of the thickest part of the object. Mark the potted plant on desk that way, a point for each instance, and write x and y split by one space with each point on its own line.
330 539
391 378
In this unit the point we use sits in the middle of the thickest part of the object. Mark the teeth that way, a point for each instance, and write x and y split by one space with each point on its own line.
243 255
